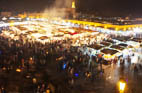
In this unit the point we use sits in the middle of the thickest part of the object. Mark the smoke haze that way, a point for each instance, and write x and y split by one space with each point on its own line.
58 9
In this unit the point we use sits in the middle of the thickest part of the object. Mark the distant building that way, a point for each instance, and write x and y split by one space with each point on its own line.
37 15
6 14
30 15
138 19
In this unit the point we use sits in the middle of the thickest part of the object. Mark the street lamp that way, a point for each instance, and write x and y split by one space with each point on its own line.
122 86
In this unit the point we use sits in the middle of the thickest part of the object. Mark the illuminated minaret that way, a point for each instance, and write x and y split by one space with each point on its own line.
73 8
73 4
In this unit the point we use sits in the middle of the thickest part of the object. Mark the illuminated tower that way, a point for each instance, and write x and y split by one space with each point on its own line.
66 8
73 8
73 4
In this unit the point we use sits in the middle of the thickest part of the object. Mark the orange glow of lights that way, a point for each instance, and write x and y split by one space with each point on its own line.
18 70
122 86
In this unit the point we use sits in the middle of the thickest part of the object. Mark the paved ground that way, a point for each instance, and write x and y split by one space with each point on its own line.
104 83
112 75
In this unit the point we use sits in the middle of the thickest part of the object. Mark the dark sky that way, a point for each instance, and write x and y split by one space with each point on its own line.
114 7
103 7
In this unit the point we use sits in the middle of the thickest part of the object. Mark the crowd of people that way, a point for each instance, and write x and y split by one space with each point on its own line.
31 56
133 60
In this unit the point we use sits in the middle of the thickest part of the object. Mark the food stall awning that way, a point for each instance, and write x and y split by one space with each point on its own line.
105 43
117 47
122 44
109 51
44 37
96 46
133 43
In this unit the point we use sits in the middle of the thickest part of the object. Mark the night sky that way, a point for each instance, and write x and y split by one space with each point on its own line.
102 7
